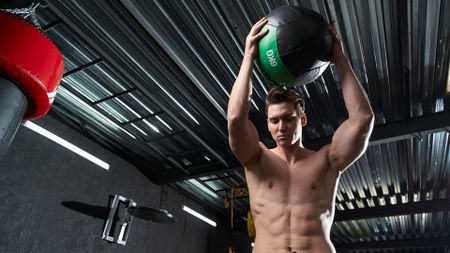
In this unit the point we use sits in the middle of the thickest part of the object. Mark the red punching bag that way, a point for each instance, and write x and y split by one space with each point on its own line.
31 68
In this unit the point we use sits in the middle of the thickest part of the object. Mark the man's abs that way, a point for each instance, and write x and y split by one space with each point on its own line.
285 228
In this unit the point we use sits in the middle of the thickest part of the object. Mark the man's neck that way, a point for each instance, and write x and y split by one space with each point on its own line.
289 153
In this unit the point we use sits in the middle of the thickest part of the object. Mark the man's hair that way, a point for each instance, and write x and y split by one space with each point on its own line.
279 95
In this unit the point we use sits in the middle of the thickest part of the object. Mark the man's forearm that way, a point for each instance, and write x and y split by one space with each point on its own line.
355 98
239 104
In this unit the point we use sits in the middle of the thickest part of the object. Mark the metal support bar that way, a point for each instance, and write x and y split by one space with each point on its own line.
202 170
165 136
114 96
51 25
409 164
401 130
142 118
403 244
79 68
430 206
218 178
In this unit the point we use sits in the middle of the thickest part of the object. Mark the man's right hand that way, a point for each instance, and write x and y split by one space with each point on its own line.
251 42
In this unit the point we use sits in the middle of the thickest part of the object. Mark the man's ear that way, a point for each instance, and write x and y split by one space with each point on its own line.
303 119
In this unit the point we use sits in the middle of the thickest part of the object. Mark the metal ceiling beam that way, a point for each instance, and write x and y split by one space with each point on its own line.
203 170
430 206
396 244
410 176
217 178
165 136
395 131
82 67
49 26
114 95
142 118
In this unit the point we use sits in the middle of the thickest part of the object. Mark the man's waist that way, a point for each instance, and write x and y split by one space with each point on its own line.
293 243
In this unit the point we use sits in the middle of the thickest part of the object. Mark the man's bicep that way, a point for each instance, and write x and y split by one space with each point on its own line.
348 144
244 141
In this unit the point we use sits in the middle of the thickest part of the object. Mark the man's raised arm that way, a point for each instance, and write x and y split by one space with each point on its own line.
351 138
242 134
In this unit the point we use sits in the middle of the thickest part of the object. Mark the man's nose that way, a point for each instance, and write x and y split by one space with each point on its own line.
282 126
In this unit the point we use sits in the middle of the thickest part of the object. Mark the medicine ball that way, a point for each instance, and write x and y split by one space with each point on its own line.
297 48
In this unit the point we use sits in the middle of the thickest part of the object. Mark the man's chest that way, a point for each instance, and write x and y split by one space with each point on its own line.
301 181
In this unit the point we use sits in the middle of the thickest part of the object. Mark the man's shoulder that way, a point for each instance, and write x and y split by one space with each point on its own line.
325 150
264 149
316 155
310 152
255 162
265 154
324 154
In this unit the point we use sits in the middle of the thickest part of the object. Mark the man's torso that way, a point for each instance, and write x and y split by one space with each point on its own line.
292 204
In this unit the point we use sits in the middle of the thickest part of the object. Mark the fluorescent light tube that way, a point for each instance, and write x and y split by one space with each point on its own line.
66 144
200 216
448 80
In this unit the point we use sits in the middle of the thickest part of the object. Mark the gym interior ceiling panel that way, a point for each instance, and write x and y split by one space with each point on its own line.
150 80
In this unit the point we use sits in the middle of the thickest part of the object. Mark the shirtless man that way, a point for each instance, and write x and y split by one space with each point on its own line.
292 189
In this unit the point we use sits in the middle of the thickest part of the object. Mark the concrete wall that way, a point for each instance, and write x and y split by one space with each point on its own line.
36 175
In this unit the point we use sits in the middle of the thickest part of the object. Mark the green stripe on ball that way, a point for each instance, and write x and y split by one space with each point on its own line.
270 58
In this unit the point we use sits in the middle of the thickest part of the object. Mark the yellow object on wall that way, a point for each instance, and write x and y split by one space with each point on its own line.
250 225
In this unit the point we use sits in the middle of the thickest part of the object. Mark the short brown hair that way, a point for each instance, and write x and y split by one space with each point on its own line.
279 94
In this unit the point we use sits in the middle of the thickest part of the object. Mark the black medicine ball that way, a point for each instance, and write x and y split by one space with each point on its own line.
297 48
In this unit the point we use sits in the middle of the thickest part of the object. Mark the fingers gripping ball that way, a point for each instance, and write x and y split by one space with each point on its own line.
297 48
31 61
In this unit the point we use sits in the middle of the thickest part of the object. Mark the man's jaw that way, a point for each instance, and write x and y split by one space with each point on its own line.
284 140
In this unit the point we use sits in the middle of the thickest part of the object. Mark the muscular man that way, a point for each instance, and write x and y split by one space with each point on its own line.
292 189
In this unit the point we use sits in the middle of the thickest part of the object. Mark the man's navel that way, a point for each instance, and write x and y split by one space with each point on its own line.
270 184
289 249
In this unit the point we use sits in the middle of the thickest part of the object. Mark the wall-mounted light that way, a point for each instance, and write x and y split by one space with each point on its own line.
66 144
448 80
200 216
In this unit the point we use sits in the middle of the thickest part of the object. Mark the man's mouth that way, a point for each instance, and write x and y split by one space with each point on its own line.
282 137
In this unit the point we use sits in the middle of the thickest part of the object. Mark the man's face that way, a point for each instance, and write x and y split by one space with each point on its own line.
284 124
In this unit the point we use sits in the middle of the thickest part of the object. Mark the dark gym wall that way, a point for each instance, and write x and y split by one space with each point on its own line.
36 175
